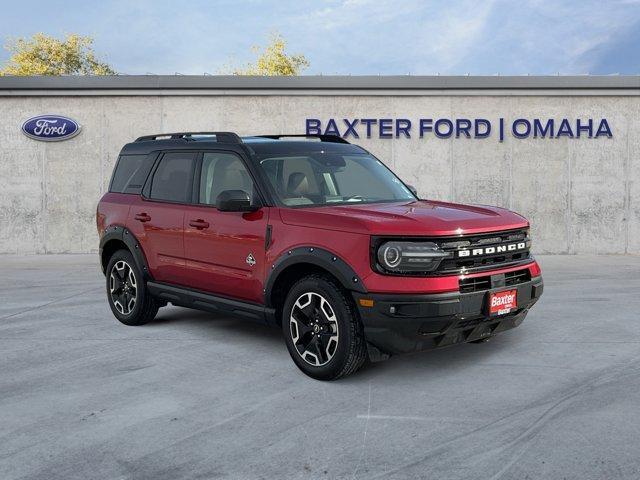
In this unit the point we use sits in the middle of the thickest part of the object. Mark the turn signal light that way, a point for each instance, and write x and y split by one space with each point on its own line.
535 270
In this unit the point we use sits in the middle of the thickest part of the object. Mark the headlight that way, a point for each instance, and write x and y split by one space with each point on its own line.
398 257
390 256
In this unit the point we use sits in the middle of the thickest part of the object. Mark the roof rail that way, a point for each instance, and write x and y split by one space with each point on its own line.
322 138
221 137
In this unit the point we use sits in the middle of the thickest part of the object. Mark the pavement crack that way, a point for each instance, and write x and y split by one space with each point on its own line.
530 430
37 307
364 435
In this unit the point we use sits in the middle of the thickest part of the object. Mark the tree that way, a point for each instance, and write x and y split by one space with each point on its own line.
273 60
45 55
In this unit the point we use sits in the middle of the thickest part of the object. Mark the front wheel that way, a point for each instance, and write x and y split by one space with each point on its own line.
128 297
322 330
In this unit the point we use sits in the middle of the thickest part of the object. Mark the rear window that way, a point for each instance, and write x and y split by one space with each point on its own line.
130 173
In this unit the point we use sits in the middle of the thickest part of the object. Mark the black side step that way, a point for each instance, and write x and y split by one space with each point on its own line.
186 297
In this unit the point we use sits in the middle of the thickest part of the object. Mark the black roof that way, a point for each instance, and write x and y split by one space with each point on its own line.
261 144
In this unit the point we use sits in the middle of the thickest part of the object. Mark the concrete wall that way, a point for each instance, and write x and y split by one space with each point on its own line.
581 195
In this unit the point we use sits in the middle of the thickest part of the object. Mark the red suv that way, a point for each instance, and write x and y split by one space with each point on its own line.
311 234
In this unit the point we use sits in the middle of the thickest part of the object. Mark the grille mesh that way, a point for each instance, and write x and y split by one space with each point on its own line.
477 284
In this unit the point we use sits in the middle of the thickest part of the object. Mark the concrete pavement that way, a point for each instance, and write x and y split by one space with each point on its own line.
193 395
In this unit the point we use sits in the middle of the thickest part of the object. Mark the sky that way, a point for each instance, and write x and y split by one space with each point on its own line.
357 37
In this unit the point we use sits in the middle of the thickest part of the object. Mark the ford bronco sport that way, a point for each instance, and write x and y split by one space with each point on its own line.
311 234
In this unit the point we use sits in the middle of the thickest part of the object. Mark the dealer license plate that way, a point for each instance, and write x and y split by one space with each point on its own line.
501 303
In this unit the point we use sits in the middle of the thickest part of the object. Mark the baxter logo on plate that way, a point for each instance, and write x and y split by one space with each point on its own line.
50 128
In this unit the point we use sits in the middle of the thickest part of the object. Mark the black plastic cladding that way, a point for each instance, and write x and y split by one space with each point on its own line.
122 234
318 257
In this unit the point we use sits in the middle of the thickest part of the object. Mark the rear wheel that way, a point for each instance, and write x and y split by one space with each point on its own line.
128 297
322 330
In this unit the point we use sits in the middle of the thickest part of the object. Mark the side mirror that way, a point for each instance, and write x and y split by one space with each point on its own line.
234 201
413 189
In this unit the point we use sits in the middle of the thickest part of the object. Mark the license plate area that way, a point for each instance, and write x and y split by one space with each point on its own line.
502 302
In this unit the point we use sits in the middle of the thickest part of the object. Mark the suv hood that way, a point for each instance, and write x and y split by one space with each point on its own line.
422 217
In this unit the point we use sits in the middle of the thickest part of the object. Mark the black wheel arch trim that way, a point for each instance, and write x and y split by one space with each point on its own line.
125 236
319 257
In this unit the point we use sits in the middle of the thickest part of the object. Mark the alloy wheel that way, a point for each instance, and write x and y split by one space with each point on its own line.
314 329
123 287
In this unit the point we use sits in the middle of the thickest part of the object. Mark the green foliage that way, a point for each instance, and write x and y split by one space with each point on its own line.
46 55
273 60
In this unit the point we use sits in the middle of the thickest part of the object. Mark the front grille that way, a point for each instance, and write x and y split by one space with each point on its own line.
484 251
468 285
517 277
478 284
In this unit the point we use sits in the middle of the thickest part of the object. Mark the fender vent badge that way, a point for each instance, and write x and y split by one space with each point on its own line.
250 260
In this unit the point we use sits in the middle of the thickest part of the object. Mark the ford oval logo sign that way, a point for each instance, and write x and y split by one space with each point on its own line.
50 128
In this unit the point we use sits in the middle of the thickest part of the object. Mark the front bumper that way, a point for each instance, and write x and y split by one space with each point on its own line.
408 323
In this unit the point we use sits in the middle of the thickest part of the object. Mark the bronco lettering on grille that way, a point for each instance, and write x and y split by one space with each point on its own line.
510 247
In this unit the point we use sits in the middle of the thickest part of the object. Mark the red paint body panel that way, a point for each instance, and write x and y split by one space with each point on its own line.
113 210
422 217
161 238
216 256
214 259
352 247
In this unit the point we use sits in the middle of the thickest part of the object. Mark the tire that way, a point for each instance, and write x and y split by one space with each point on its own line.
127 294
322 330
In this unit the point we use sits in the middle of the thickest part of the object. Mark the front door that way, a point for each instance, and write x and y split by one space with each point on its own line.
225 251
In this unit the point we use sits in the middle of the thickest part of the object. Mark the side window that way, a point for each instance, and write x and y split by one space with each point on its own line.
220 172
130 173
173 177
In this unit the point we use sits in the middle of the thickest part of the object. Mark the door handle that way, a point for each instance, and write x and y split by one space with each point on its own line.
199 224
142 217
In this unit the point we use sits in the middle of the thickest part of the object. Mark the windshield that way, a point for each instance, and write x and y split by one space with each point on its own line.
330 178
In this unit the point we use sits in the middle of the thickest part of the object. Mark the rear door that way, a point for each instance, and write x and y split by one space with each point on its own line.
224 251
157 217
